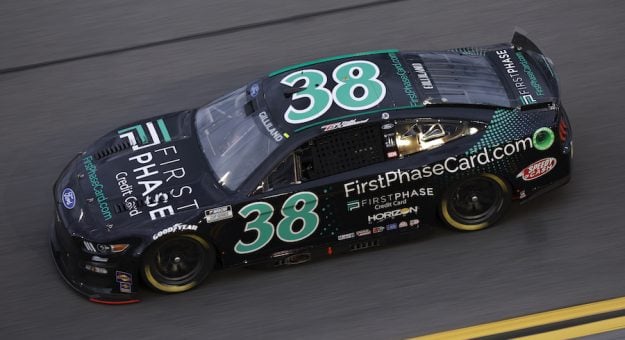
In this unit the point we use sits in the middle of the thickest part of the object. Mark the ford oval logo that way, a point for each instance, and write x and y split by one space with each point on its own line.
254 89
68 198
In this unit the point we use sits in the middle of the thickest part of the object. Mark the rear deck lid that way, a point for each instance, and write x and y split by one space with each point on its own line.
498 75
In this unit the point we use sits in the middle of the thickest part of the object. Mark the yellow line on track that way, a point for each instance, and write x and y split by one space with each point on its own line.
529 321
581 330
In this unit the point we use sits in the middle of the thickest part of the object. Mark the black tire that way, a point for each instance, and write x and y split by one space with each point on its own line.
178 263
476 203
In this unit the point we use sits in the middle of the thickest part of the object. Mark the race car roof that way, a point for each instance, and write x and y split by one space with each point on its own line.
319 91
340 88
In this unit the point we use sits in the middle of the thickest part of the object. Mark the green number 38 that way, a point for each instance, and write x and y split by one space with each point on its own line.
349 76
298 207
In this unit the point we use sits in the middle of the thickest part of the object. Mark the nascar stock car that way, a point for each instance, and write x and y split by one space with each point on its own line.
325 157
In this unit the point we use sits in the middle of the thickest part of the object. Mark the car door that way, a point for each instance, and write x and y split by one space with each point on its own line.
295 205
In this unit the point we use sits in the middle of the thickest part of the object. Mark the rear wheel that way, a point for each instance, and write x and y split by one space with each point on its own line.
178 263
476 203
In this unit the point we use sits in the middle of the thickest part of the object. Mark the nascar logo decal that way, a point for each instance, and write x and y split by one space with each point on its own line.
538 169
139 131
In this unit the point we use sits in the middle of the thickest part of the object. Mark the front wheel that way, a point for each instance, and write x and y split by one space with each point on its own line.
476 203
178 263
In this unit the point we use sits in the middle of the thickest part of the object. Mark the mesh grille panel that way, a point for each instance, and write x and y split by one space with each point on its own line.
347 149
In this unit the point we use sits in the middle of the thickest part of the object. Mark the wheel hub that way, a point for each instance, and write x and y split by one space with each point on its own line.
475 200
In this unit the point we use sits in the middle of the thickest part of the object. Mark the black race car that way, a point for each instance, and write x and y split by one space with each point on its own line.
325 157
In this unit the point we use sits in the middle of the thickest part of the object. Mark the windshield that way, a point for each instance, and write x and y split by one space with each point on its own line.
233 142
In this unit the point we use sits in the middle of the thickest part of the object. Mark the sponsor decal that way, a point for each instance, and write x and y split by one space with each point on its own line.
175 228
273 131
392 154
543 138
537 169
254 89
137 132
122 183
449 165
385 115
97 187
124 280
379 217
403 76
346 236
403 224
395 199
534 83
343 124
68 198
388 126
377 230
527 99
422 75
153 170
353 205
123 276
99 259
392 226
218 214
522 194
389 140
363 232
96 269
519 83
414 222
125 287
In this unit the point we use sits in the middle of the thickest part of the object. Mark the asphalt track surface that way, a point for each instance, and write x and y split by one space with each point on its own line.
124 61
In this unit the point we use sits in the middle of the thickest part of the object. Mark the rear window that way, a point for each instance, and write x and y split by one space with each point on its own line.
465 79
458 78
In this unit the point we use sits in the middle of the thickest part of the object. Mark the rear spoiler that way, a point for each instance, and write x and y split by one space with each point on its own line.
521 42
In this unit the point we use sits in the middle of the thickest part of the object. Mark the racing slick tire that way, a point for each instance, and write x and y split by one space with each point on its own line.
475 203
178 263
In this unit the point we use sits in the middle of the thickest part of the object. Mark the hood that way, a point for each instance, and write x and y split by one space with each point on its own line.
143 173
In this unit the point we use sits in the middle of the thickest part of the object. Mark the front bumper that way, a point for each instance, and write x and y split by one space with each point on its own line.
103 279
71 261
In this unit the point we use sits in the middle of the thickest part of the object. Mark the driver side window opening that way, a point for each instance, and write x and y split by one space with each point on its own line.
329 154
